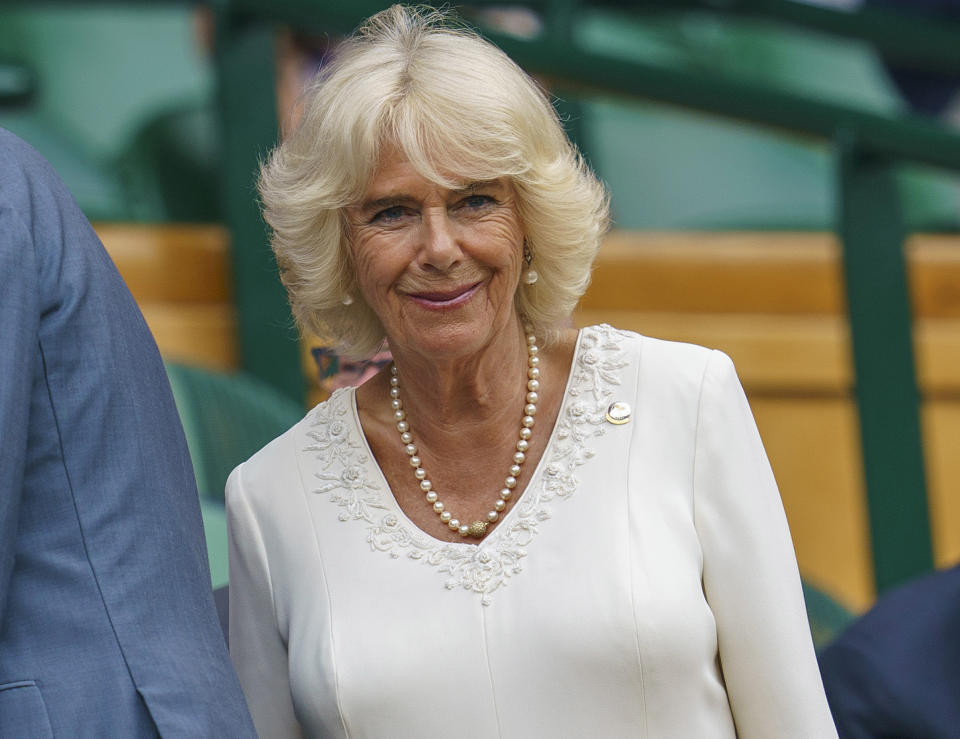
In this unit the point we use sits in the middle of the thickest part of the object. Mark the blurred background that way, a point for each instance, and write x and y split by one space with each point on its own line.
785 182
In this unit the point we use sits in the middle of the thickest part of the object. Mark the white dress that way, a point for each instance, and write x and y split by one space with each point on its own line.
644 585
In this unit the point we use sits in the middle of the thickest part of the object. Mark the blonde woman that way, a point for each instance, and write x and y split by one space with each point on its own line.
516 529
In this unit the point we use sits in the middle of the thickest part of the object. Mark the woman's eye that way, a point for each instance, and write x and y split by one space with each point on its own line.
476 201
393 213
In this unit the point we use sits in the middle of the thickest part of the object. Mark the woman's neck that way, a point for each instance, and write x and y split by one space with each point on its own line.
465 394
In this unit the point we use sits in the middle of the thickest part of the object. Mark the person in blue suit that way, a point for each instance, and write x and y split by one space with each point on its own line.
107 621
895 672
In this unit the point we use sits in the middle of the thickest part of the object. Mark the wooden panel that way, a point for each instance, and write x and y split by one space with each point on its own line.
179 275
934 262
941 426
711 272
937 347
171 262
814 449
204 335
755 272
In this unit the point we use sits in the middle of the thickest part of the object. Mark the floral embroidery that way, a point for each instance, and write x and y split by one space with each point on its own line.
345 475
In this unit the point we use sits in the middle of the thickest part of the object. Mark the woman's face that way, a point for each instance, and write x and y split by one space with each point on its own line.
439 266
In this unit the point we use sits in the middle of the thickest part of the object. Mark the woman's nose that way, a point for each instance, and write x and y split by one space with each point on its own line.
440 249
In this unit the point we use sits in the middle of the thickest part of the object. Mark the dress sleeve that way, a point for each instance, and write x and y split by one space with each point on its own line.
750 575
257 649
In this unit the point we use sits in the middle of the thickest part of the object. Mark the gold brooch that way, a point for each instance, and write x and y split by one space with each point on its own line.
618 413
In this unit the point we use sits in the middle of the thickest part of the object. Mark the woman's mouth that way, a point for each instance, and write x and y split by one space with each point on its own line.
438 299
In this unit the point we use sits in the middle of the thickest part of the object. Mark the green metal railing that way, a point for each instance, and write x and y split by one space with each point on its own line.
914 38
269 346
868 146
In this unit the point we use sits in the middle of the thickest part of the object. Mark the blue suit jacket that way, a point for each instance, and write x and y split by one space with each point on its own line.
895 672
107 622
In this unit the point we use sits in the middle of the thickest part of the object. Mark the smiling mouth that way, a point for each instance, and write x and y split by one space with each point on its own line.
445 298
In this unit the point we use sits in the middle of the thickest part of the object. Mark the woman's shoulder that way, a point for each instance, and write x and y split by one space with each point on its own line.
664 370
315 434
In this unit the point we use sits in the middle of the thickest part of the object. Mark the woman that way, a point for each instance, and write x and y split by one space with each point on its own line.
515 529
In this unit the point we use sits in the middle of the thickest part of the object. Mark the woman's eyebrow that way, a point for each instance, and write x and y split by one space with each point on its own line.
471 187
385 202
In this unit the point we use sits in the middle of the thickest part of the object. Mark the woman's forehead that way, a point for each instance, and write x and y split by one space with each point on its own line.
394 166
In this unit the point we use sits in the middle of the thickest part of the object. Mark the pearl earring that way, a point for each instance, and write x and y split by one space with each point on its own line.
347 299
530 277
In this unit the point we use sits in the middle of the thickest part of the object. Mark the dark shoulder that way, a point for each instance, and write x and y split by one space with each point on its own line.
900 660
909 618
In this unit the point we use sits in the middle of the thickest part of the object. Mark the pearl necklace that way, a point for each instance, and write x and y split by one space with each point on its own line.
477 529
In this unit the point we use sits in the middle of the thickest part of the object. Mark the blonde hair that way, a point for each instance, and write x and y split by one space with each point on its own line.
457 107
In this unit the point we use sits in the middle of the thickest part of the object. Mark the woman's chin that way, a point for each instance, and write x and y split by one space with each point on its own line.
449 325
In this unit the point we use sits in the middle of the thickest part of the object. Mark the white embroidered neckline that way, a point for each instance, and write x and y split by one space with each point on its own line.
348 474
